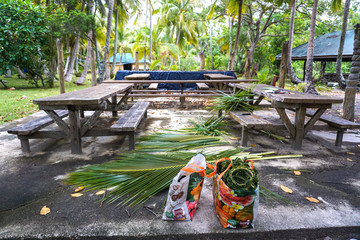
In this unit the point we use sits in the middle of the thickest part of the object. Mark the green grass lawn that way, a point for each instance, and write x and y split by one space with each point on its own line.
17 99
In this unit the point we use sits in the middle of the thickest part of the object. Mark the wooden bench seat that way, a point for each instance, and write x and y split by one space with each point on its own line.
153 86
259 121
130 121
338 123
26 130
202 86
249 120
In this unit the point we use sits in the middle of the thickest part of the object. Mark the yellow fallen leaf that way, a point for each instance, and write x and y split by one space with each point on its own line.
253 145
311 199
76 195
234 138
286 189
100 192
348 159
297 173
350 153
45 210
79 189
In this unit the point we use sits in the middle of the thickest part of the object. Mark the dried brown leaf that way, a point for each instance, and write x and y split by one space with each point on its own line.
79 189
311 199
76 195
286 189
100 192
297 173
253 145
45 210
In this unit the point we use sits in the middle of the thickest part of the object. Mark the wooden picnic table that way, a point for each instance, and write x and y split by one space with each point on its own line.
138 76
89 99
282 99
222 78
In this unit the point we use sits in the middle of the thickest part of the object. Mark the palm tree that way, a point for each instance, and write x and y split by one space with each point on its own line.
291 73
179 15
339 75
107 43
310 53
236 43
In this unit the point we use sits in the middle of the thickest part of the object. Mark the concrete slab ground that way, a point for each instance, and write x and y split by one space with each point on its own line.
30 181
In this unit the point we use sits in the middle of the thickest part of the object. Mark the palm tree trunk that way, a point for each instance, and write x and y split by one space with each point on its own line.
211 47
60 65
353 80
74 50
309 80
115 43
339 76
230 42
292 76
107 44
233 54
82 78
151 39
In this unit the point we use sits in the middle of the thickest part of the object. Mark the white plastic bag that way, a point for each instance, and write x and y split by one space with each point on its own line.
185 189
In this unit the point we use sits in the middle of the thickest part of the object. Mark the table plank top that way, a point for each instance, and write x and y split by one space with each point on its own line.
87 96
287 96
217 76
138 76
233 80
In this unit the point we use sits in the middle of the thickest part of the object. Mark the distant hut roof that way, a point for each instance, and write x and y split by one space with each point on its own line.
125 59
326 48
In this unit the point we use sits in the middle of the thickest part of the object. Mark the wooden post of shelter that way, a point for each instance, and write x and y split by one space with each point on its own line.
61 65
283 64
137 61
353 79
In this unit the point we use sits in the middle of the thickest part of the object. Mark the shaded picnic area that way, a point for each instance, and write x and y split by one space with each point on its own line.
34 180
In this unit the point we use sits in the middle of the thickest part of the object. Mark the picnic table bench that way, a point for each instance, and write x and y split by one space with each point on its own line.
94 99
283 99
30 130
337 123
260 120
129 122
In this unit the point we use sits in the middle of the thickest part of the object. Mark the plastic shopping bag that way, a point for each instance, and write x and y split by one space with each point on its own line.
185 189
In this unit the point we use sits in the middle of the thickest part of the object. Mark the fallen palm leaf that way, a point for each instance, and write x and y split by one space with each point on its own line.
45 210
311 199
79 189
136 176
76 195
286 189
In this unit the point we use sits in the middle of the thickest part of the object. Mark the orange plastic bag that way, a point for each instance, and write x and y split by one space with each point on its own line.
234 208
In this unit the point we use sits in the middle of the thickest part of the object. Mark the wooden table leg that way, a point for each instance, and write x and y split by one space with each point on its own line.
299 127
75 135
182 99
114 102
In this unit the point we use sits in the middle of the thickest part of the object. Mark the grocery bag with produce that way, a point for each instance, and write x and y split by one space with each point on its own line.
185 189
236 193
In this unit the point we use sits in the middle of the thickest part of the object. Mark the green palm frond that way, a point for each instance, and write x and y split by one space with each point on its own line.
134 177
234 101
174 142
